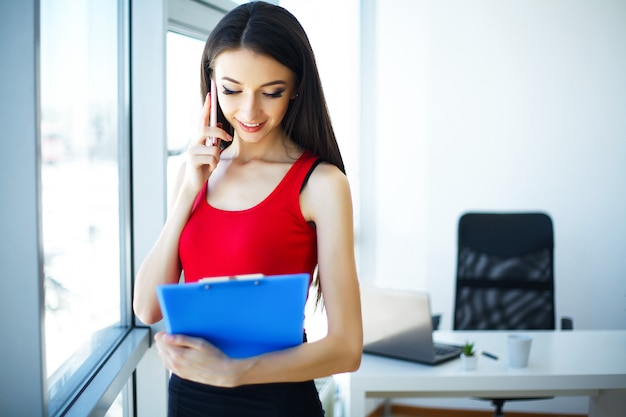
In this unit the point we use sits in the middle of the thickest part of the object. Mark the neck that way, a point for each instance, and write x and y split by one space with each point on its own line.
269 149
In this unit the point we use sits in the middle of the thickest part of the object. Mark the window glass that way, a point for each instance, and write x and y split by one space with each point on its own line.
80 189
184 100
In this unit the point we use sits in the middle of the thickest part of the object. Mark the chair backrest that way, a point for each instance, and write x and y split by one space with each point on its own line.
505 272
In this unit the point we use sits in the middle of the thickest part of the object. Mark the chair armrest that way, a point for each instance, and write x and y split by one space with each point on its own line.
567 323
436 320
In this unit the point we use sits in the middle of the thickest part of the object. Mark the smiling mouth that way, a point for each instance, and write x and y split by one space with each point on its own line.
250 125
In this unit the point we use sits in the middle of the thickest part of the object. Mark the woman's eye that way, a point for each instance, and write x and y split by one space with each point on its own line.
229 92
277 94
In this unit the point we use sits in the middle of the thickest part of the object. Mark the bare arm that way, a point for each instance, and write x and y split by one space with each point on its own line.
162 265
326 201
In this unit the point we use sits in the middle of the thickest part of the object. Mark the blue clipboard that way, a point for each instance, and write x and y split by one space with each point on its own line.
242 316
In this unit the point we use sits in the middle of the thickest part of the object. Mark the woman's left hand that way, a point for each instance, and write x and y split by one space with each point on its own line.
195 359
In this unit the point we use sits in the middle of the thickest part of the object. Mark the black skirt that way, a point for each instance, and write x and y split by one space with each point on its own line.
293 399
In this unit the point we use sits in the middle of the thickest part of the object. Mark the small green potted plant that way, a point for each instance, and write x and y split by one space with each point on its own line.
468 356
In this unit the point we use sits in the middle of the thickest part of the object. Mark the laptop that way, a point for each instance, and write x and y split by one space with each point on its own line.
398 324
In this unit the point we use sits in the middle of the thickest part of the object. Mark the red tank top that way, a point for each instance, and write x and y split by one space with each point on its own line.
271 238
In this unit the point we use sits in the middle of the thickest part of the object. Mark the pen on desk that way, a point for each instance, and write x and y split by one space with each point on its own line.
489 355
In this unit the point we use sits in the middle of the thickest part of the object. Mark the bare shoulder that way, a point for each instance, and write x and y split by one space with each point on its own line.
326 191
327 179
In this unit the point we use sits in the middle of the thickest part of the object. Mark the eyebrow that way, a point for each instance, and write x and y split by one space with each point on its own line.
271 83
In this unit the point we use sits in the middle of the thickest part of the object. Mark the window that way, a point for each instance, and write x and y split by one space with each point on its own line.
83 194
183 97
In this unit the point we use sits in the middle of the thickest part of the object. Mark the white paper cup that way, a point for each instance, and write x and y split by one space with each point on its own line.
519 350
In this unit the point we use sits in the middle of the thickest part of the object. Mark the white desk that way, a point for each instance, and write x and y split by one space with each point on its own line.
562 363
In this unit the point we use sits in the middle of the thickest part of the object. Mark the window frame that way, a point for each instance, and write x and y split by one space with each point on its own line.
22 304
21 288
76 383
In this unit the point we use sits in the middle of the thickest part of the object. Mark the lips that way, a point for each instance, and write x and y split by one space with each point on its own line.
250 127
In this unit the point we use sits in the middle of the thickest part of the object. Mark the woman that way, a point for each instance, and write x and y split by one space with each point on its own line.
272 199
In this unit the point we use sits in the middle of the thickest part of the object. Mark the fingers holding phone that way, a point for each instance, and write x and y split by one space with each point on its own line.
204 153
215 141
208 121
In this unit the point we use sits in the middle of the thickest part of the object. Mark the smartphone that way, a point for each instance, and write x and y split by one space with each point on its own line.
213 113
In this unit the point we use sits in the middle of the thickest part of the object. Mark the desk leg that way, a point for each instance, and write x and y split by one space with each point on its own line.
355 406
352 399
610 403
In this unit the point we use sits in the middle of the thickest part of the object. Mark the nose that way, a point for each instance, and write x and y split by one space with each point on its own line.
249 108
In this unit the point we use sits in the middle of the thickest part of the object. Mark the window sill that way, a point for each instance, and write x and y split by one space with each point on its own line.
100 392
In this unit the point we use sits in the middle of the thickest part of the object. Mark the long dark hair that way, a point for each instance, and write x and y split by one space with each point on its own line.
273 31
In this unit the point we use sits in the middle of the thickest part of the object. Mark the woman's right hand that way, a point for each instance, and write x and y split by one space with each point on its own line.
202 155
162 264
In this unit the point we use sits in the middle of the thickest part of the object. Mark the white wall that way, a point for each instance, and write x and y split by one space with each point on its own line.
484 105
334 38
504 105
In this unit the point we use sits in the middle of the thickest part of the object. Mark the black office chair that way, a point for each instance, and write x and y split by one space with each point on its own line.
505 275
